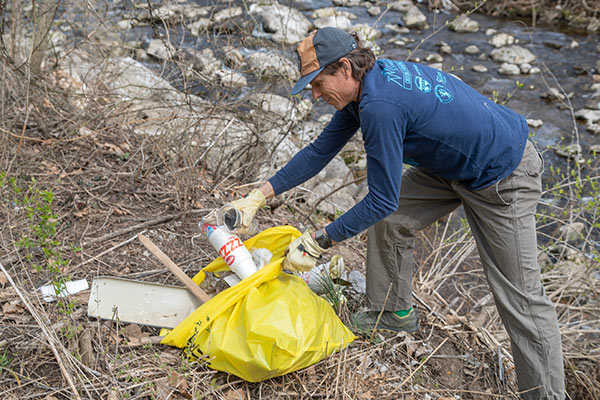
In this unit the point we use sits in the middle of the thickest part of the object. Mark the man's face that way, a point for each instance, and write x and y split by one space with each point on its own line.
338 89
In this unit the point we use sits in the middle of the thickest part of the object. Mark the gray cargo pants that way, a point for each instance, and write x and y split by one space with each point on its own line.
502 220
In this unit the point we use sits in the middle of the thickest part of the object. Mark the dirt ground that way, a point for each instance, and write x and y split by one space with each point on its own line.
104 201
77 186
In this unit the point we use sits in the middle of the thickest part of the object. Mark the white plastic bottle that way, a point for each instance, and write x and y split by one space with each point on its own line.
232 249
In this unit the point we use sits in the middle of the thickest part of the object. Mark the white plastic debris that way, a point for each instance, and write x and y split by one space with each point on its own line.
320 278
261 258
71 288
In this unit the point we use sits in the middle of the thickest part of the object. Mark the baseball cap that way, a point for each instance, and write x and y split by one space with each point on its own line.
323 47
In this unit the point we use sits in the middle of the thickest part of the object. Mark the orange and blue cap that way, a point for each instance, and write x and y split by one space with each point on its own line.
323 47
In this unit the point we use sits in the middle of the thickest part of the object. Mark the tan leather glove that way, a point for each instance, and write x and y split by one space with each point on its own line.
302 254
239 213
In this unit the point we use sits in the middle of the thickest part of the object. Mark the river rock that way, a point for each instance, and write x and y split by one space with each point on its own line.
415 19
330 12
572 151
367 34
271 65
535 123
347 3
187 10
160 49
231 79
594 25
282 107
397 41
553 94
464 24
401 5
228 13
200 26
479 68
334 175
509 69
169 12
339 21
397 29
490 32
525 68
472 50
233 57
203 61
588 115
444 48
287 25
595 149
324 12
434 58
512 54
593 127
374 11
593 103
572 232
502 39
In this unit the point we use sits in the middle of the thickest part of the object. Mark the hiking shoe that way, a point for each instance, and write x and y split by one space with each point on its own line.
364 322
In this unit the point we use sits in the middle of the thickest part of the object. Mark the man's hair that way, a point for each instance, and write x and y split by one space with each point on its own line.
361 59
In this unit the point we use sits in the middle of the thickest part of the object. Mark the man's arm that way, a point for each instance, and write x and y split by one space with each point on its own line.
267 190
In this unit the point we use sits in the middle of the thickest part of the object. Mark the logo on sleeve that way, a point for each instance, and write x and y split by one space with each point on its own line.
422 84
443 94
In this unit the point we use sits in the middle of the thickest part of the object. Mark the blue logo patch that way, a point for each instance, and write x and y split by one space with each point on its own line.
422 84
443 94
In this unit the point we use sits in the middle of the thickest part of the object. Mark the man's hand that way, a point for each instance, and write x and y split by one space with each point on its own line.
239 213
302 254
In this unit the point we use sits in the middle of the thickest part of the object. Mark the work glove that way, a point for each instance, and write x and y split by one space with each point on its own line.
302 254
238 214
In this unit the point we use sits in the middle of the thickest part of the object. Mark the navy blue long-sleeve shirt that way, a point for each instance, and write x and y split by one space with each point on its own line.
414 114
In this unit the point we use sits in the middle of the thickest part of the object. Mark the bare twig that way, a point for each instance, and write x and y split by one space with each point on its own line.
50 338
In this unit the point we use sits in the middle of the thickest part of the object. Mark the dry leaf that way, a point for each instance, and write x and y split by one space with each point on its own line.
3 279
114 395
7 294
51 168
238 394
134 333
114 149
113 337
81 213
13 308
163 391
178 382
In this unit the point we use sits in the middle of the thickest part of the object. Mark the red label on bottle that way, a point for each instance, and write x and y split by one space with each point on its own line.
226 250
229 259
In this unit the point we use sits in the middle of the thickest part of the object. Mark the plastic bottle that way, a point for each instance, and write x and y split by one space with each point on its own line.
232 249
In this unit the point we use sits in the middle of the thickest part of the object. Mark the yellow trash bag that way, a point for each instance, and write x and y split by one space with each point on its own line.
265 326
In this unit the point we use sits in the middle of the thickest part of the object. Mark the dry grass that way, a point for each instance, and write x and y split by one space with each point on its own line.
109 183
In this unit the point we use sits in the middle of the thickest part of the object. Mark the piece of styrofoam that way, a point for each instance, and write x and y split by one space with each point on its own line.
139 302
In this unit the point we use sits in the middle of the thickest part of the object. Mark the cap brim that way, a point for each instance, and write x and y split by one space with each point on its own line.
304 81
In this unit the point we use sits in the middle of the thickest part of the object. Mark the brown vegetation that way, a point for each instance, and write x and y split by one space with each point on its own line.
108 182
